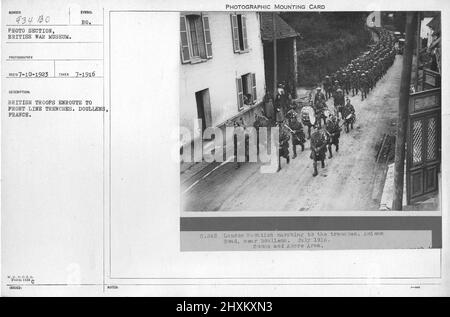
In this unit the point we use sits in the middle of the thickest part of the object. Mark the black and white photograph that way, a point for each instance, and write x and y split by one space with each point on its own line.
224 148
355 99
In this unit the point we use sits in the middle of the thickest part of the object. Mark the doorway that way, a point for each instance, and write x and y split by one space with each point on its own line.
203 108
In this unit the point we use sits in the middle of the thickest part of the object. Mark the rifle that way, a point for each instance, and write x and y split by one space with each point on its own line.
293 132
346 118
316 149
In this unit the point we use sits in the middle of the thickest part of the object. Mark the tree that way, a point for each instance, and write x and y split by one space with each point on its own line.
329 40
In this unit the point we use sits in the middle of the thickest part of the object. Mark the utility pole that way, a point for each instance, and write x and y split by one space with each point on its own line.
403 112
274 38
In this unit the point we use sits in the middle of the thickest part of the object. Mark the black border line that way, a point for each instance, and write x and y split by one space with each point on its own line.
103 149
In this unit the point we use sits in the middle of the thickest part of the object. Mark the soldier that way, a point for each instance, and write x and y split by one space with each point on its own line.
339 101
348 113
374 78
369 81
260 121
308 118
279 104
319 106
349 74
268 106
283 146
297 133
364 86
355 83
286 100
332 79
346 82
334 132
327 87
318 148
336 86
319 97
379 69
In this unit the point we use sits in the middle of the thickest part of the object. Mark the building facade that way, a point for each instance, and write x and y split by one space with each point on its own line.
286 51
221 67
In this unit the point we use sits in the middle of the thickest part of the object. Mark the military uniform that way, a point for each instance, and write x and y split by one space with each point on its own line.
297 136
336 86
334 132
260 121
364 86
279 107
283 149
318 149
346 82
373 64
282 103
319 108
355 83
346 111
305 117
319 105
339 101
319 97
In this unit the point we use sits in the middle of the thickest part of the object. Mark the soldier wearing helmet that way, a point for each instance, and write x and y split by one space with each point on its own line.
319 106
346 83
333 131
355 83
364 86
348 114
283 150
297 133
318 148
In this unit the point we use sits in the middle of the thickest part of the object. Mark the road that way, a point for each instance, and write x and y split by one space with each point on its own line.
349 181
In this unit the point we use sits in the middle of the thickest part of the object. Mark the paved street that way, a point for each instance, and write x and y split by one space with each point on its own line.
351 180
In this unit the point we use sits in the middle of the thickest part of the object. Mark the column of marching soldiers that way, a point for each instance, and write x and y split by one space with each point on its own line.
360 76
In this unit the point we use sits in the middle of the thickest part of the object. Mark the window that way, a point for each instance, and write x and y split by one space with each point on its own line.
246 90
195 38
239 33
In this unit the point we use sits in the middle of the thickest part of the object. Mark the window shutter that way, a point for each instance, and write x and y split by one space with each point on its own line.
185 55
244 31
207 36
254 86
235 32
240 93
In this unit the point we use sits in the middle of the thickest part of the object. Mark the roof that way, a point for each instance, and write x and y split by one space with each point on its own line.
430 14
283 30
435 23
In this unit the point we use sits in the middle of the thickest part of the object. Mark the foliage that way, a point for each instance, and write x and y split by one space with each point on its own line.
329 41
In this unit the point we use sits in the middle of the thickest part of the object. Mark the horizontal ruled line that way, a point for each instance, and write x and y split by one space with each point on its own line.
13 42
54 77
53 59
54 25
